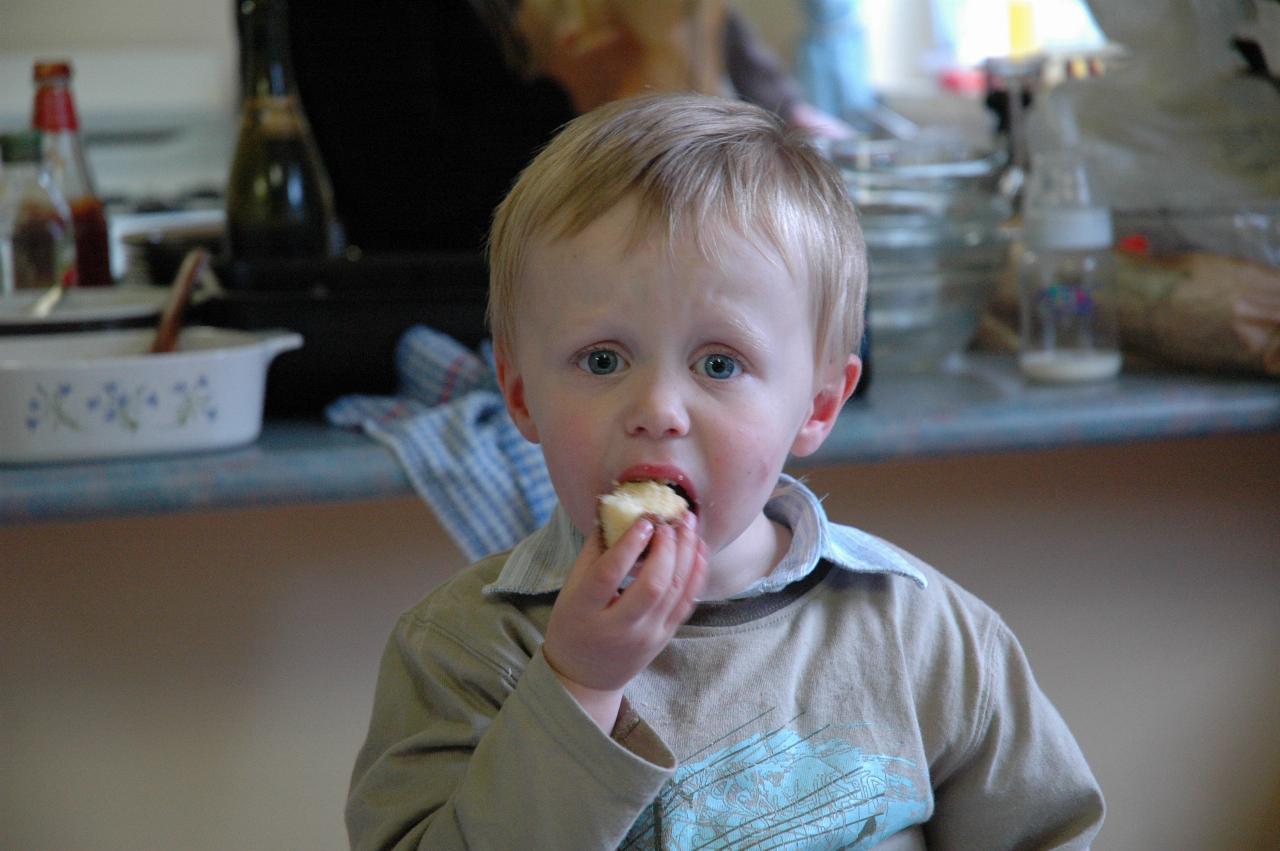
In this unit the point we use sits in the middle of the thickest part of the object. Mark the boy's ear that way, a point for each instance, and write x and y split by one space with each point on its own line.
512 385
830 397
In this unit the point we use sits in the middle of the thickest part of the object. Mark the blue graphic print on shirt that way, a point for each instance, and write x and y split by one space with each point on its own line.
779 789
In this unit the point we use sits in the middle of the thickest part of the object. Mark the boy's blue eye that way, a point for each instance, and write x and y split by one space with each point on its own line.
719 366
601 362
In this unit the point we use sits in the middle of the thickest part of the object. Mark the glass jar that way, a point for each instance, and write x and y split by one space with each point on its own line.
39 248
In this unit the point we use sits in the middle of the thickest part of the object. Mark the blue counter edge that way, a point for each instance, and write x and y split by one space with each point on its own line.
980 404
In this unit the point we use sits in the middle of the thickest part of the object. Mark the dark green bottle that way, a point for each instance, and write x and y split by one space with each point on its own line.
279 197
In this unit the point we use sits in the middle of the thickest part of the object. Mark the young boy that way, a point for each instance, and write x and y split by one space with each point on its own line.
676 285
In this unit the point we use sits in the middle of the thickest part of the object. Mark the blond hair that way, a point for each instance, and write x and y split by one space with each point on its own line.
696 164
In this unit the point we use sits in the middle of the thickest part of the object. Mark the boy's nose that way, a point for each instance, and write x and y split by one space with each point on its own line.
656 409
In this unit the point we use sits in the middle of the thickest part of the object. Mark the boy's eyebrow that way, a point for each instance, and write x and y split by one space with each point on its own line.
743 328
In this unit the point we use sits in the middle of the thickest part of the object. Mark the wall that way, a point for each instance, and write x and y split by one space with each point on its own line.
202 681
132 57
77 24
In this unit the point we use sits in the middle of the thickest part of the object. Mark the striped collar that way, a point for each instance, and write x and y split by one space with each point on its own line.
540 563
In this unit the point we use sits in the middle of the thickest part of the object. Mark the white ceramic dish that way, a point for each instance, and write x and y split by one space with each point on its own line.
81 306
98 394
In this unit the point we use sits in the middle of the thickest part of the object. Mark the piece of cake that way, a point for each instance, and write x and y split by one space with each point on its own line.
630 501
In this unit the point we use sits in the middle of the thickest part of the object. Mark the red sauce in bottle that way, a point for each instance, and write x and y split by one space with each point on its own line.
55 116
93 260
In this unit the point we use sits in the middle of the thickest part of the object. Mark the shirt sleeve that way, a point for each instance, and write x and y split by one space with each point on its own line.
1023 782
462 753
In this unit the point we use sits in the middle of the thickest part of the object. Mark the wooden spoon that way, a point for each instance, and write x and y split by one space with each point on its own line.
193 266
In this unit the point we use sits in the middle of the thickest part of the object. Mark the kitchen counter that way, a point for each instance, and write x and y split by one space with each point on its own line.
980 404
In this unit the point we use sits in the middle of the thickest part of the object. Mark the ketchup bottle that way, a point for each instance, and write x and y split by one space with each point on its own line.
55 118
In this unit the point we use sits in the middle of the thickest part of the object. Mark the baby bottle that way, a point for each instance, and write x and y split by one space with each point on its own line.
1066 276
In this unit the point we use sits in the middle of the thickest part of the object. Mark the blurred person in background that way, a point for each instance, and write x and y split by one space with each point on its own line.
426 112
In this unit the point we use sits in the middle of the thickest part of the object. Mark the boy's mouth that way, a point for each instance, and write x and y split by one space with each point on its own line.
672 477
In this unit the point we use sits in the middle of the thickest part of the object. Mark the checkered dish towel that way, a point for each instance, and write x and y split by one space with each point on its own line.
450 429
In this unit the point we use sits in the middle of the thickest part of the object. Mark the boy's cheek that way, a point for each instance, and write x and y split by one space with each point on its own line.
747 470
571 458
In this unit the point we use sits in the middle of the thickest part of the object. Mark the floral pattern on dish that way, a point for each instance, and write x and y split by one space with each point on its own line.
116 406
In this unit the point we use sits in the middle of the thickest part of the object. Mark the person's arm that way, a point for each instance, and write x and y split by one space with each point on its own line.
759 76
1022 780
463 752
756 72
466 750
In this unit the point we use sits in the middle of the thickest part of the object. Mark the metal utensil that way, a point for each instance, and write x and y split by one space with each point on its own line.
193 266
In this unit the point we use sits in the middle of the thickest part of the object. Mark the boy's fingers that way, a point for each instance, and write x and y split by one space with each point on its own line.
660 590
688 581
652 581
592 549
613 565
686 545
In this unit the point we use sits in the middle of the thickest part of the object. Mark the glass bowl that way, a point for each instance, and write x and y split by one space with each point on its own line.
933 261
934 222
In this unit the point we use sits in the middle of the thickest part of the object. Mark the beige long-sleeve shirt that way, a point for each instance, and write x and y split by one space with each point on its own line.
852 707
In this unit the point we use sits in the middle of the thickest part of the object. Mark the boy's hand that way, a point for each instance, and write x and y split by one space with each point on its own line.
600 638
